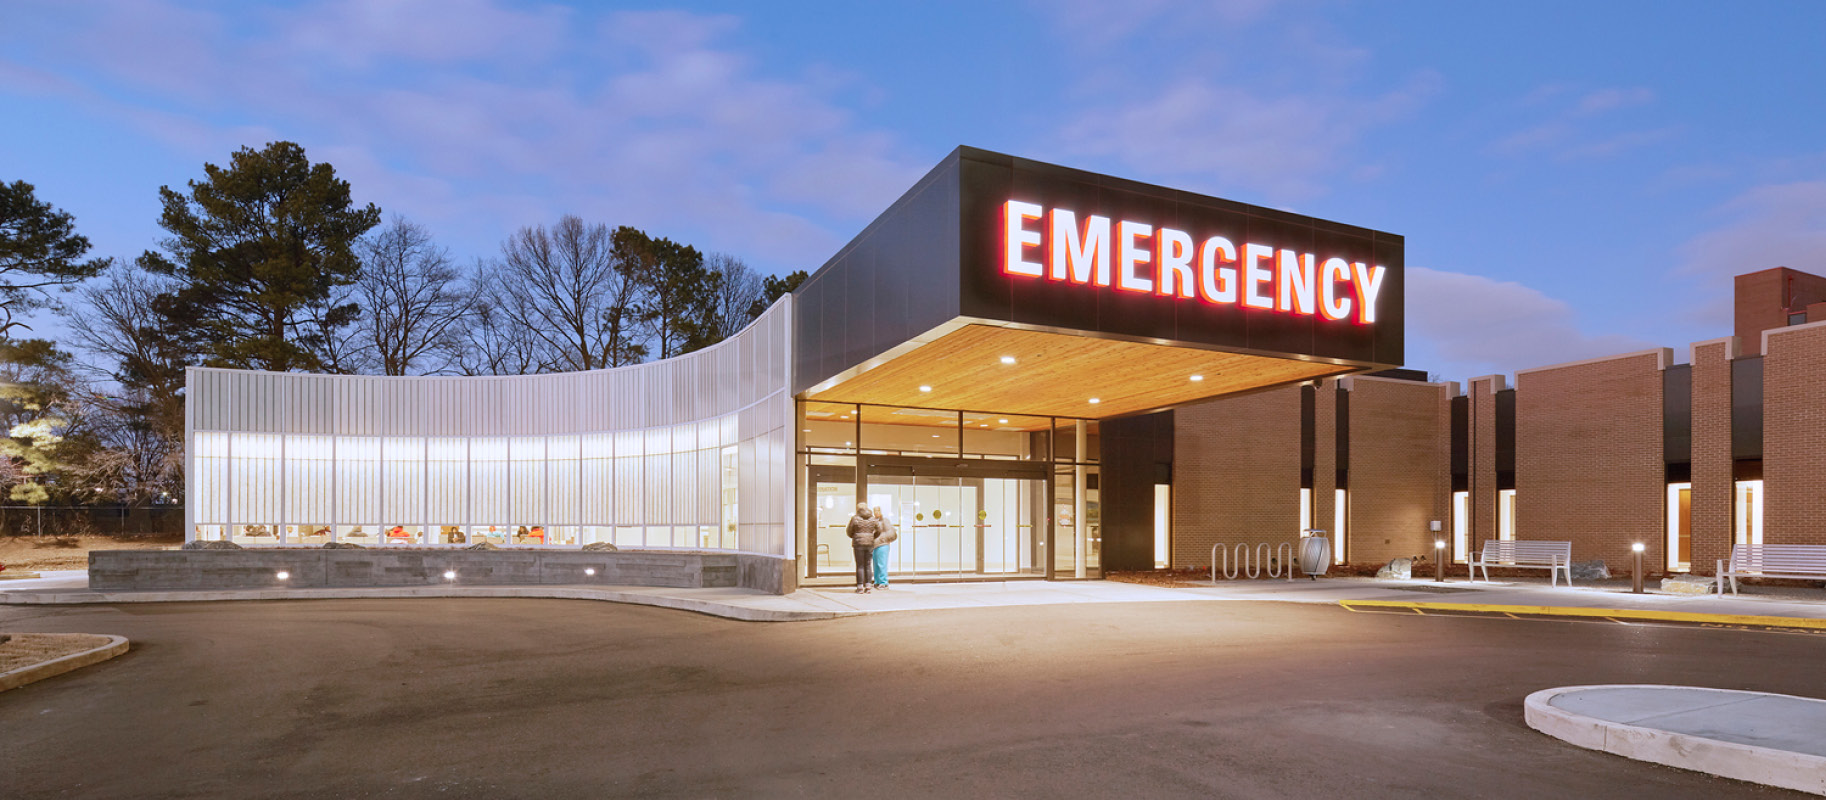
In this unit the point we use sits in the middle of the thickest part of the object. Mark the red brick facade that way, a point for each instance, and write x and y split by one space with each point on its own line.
1794 435
1481 478
1589 466
1325 466
1400 467
1713 484
1236 473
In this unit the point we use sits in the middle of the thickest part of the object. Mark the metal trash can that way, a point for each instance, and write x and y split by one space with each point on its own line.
1315 554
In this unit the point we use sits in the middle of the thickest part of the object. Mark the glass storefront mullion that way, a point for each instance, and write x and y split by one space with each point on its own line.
963 521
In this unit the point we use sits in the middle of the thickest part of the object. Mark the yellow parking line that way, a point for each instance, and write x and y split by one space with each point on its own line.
1617 614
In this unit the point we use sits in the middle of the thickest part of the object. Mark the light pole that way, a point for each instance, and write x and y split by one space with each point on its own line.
1635 583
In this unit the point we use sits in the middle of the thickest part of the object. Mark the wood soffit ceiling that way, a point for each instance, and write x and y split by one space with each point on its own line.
1057 374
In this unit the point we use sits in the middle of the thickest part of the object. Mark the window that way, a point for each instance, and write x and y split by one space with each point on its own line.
1461 523
1505 515
1305 512
1163 495
1339 498
1747 511
1679 527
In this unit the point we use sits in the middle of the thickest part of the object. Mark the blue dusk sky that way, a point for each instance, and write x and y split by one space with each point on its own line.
1573 178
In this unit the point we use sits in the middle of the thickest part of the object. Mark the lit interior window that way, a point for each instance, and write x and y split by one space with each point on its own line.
1163 494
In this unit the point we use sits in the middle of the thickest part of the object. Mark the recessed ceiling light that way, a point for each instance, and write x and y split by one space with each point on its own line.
1008 359
808 430
935 436
985 425
846 416
1197 378
1095 401
925 388
1002 422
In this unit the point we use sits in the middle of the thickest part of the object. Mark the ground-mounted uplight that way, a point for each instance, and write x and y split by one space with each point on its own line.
589 570
283 575
450 574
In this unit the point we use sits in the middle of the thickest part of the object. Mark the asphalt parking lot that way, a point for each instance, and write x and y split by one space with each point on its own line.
554 698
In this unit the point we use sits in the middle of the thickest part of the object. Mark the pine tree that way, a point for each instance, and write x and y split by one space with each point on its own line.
257 249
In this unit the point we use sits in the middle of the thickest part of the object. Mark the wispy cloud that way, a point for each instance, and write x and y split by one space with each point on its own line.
1287 146
459 113
1580 125
1463 326
1255 102
1775 225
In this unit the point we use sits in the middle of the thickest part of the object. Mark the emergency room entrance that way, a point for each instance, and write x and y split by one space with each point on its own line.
956 519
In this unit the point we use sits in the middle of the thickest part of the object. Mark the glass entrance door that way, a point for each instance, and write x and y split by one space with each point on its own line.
956 521
833 500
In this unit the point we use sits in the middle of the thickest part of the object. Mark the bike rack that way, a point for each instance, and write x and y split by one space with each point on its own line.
1252 563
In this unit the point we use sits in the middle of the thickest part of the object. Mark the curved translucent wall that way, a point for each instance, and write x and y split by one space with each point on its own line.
693 451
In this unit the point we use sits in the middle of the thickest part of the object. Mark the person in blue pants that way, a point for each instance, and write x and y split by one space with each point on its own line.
884 534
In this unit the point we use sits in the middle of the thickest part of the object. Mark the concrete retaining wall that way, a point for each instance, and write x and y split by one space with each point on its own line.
258 568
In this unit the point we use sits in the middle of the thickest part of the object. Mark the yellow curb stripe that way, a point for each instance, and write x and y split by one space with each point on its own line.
1599 613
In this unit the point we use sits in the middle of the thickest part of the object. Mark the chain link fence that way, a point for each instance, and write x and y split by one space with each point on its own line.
150 521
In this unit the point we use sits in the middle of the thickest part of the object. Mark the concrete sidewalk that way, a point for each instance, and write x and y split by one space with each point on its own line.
1772 739
71 587
1796 608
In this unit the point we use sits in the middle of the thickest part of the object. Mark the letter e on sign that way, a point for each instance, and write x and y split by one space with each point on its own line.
1017 238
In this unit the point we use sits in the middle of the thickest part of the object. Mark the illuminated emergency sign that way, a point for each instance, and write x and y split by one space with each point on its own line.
1054 244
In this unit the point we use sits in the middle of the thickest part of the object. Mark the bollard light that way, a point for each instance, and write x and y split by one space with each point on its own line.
1439 561
1635 581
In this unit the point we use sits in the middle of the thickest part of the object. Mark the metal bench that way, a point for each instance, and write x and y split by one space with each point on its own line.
1798 561
1555 557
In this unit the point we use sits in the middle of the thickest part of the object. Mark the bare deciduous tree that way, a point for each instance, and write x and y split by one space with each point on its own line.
735 289
488 341
562 291
411 299
133 395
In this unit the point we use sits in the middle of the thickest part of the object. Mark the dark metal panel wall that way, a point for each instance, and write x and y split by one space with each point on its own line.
1747 409
897 279
1137 454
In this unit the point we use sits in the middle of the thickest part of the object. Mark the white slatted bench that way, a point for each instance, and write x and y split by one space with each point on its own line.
1555 557
1798 561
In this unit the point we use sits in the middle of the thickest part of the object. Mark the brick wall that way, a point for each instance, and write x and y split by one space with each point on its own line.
1325 467
1482 477
1400 467
1588 461
1236 473
1712 477
1794 435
